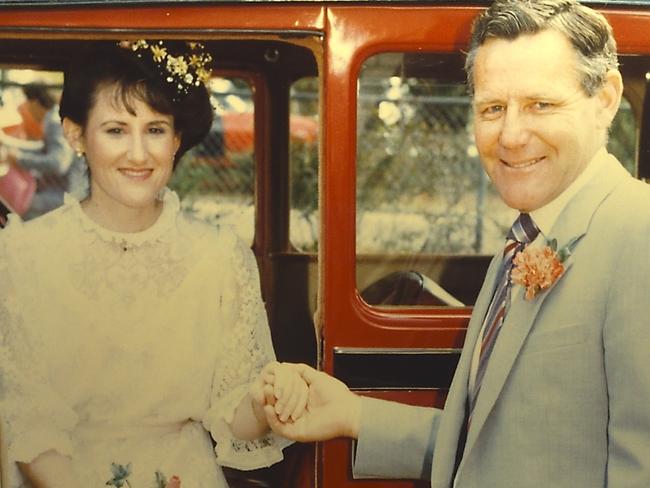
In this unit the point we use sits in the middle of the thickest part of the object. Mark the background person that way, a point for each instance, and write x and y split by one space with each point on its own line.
51 163
552 387
147 334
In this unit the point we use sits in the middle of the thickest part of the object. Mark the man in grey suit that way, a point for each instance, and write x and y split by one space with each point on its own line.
553 385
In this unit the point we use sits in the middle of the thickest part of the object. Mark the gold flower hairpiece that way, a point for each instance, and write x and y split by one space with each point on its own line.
184 70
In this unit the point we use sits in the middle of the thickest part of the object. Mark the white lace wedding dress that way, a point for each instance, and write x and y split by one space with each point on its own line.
129 348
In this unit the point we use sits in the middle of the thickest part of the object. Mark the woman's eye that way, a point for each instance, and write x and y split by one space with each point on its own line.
157 130
114 130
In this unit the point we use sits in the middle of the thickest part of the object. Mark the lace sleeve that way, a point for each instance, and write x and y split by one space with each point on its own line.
35 418
245 348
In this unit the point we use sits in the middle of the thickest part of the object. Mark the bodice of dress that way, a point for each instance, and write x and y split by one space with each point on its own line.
113 333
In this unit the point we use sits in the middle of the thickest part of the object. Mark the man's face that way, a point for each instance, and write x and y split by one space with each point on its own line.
535 127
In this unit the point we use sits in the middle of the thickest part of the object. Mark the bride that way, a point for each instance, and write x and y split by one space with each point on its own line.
134 344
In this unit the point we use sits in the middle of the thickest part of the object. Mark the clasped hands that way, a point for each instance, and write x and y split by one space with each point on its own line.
303 404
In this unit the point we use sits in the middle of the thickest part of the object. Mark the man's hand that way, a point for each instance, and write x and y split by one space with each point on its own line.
332 410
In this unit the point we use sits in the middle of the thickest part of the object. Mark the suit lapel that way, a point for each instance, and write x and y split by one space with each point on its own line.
572 224
444 454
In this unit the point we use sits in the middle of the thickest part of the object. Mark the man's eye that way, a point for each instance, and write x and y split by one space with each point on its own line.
542 105
492 110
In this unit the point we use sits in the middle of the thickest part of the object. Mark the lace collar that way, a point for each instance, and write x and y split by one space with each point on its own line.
160 231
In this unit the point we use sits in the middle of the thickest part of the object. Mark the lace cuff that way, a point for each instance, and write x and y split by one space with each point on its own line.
235 453
243 347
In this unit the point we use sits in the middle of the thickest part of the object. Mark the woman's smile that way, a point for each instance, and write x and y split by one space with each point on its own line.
136 173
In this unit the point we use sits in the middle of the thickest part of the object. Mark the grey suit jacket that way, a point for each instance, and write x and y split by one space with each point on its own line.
565 400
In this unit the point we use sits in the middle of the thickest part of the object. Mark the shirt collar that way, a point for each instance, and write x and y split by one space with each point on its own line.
546 216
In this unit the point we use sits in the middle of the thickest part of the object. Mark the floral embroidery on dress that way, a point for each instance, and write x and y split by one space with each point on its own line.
120 477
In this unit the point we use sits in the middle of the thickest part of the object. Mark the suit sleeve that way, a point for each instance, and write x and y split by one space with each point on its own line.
403 450
626 341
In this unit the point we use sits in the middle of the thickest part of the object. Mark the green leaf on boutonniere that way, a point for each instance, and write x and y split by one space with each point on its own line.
564 254
161 480
120 474
552 243
566 251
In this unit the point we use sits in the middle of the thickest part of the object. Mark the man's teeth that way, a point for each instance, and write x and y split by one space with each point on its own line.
524 164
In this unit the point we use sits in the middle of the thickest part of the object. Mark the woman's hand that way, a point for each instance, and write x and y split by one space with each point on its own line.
332 410
290 392
50 470
280 386
251 419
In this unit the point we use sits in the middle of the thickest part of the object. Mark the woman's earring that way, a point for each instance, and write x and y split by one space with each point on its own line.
79 152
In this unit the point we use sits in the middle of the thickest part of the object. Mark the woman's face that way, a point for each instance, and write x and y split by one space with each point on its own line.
130 156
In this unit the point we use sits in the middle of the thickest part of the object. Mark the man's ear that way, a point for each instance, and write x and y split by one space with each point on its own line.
74 135
609 96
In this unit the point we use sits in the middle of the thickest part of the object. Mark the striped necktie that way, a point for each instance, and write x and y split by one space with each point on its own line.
522 232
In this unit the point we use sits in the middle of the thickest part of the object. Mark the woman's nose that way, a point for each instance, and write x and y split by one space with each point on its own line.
137 150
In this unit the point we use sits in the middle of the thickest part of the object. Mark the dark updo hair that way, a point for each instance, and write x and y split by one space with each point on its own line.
135 78
40 93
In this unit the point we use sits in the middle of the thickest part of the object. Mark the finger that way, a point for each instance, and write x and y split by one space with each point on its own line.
297 402
269 396
274 422
281 386
268 371
286 390
256 392
309 374
288 430
303 397
289 401
291 391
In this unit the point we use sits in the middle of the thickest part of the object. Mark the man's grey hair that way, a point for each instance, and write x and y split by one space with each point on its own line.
587 30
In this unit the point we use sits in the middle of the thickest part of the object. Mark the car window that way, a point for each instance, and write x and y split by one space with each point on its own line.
428 218
303 164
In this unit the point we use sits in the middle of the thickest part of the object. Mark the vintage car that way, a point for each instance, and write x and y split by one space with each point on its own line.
374 229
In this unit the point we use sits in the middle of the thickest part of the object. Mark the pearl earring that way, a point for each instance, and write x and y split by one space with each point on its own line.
79 152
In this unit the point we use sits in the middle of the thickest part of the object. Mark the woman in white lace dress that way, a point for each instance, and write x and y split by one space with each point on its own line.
131 334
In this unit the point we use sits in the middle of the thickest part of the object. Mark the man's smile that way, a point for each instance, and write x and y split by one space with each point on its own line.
525 163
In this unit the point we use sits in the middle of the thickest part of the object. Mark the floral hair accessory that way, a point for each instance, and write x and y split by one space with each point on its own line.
538 268
182 70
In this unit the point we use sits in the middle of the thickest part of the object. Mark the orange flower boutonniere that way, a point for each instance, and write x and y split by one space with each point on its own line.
538 268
